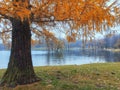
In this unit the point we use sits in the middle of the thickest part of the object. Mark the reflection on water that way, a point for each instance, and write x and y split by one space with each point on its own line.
71 57
75 57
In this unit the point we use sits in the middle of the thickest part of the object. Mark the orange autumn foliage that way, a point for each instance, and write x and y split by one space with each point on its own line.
82 17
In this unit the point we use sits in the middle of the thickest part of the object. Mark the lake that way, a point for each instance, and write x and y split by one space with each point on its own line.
71 57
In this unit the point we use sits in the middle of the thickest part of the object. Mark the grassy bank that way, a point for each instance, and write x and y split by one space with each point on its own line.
112 50
84 77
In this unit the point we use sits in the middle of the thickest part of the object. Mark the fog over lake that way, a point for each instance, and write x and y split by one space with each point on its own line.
71 57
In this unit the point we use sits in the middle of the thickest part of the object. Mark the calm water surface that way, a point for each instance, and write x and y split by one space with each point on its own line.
71 57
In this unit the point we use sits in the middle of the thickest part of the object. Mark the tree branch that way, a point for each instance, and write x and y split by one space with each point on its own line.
4 16
40 20
5 31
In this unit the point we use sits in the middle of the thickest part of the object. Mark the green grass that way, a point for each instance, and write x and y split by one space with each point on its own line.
84 77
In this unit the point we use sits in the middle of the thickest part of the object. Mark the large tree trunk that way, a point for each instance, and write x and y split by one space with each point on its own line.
20 69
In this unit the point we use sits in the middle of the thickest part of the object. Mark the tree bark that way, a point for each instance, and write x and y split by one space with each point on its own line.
20 68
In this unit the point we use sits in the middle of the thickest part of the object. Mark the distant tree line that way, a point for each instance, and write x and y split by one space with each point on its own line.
60 44
106 42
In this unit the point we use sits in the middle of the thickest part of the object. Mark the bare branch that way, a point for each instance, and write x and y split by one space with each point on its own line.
5 31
